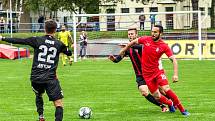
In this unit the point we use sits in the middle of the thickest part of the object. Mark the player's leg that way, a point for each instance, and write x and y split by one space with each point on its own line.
39 90
156 94
153 87
163 82
163 92
143 88
144 92
174 98
59 109
70 60
63 57
55 94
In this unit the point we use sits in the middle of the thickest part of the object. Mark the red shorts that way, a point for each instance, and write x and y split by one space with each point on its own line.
159 80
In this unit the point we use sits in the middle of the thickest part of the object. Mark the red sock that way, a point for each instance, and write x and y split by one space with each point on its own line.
180 107
165 100
175 100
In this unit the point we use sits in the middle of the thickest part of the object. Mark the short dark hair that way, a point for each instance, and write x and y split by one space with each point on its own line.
135 29
50 26
160 28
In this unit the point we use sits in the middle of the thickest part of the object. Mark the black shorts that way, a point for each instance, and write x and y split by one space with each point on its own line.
140 81
52 89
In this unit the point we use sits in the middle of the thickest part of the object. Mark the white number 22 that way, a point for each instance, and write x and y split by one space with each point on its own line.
50 57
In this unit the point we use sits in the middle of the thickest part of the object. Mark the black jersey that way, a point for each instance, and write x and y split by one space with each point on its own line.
135 54
46 56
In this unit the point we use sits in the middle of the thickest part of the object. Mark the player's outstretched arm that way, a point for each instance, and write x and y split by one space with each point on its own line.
28 41
175 69
122 52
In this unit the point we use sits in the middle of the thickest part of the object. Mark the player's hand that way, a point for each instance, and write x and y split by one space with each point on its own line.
111 57
175 78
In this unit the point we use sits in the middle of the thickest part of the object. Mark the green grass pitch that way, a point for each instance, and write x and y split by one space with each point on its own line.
109 89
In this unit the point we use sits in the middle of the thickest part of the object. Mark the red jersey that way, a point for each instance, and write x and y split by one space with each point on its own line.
151 55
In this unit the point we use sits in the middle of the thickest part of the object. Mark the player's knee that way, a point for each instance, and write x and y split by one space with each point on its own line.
144 93
165 88
144 90
58 103
156 95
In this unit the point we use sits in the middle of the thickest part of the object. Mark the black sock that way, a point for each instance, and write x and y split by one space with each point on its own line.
39 104
151 99
59 113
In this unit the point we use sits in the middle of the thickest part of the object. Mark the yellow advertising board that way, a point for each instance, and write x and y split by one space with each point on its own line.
189 49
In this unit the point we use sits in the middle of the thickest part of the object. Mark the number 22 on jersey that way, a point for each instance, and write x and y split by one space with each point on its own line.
44 56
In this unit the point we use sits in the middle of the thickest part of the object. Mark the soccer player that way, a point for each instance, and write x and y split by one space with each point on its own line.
153 73
135 54
66 38
45 62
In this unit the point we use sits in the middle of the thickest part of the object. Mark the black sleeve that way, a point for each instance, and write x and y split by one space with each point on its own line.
118 59
28 41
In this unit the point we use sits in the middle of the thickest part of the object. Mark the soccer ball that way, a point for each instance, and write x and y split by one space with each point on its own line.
85 112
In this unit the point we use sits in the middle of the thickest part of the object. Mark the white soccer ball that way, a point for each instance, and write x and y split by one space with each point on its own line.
85 112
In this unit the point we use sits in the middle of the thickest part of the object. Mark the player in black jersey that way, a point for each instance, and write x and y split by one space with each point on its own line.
45 62
135 54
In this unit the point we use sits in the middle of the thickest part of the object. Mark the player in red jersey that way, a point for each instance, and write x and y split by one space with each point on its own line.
135 54
154 48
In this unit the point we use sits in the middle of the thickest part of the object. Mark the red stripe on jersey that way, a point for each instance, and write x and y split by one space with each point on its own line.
139 58
135 64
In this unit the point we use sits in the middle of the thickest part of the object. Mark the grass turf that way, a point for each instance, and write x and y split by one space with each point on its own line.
109 89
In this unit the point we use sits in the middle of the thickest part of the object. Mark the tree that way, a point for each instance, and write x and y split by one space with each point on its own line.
88 6
76 6
6 3
32 4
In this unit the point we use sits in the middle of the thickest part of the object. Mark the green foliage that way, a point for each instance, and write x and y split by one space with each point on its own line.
53 5
32 4
89 6
6 3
